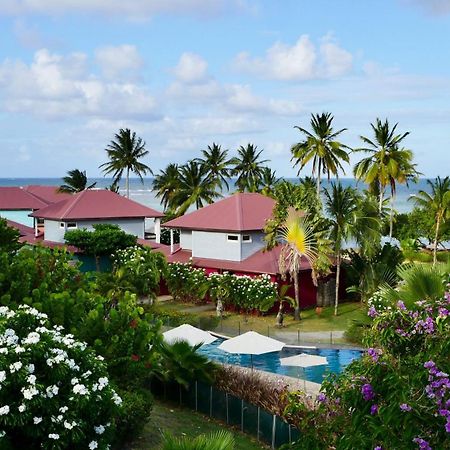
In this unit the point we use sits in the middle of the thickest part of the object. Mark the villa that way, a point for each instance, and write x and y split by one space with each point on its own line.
229 236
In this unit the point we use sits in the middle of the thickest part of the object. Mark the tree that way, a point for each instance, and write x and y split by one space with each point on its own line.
195 188
321 147
268 182
216 165
387 164
166 184
124 153
248 168
347 221
75 181
9 237
438 201
299 241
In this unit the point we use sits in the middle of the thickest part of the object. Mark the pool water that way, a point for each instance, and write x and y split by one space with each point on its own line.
338 359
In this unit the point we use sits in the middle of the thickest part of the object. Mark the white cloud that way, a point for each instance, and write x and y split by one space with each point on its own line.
135 9
119 62
191 69
28 35
301 61
56 87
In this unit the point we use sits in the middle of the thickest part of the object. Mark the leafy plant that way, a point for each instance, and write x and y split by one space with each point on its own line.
9 237
221 440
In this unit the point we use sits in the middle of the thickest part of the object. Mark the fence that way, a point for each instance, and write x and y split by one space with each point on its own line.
253 420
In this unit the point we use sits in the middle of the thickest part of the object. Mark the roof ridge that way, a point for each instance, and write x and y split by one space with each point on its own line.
76 199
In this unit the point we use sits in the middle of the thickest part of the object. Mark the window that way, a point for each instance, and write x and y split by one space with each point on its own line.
40 221
232 237
246 238
62 225
71 225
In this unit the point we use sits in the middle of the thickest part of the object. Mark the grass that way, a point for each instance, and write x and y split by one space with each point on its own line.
167 418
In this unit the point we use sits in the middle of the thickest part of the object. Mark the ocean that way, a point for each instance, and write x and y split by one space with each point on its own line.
142 192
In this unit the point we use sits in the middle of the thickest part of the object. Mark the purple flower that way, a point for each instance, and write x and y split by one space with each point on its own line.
443 312
401 305
367 392
372 312
378 447
447 426
374 354
429 365
444 412
422 443
322 398
374 409
405 407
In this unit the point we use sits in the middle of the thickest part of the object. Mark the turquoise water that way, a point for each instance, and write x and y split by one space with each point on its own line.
338 359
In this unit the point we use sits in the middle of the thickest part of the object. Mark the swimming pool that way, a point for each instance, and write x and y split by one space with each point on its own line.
338 359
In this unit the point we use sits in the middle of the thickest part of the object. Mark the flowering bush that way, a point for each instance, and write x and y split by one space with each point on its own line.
397 395
54 391
186 283
243 291
141 268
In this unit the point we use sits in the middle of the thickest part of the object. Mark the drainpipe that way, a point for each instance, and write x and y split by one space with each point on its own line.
171 241
36 231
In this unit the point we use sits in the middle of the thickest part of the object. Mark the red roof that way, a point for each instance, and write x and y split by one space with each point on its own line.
239 212
39 240
21 228
260 262
94 204
162 248
48 194
17 198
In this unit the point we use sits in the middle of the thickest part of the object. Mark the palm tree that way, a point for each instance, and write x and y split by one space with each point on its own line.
343 207
216 164
75 181
268 182
124 153
166 184
299 242
195 188
438 201
386 163
248 168
321 147
220 440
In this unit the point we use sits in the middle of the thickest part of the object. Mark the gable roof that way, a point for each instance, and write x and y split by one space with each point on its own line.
17 198
94 204
48 194
239 212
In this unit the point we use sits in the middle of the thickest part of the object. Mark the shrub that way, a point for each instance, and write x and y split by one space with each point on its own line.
54 393
187 283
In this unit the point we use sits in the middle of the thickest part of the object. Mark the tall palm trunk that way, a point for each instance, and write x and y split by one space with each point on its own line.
380 206
338 274
391 218
318 181
128 182
297 297
436 234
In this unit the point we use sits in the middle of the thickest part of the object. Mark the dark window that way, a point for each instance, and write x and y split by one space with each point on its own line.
246 238
232 237
71 224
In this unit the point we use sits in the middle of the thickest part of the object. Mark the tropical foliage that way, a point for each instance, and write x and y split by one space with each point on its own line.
221 440
9 237
75 181
125 153
248 168
321 147
216 164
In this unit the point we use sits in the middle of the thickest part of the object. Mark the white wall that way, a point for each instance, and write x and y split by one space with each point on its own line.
186 239
53 232
212 244
257 243
19 216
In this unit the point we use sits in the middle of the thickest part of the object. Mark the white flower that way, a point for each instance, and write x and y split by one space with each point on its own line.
30 368
19 349
32 338
37 420
100 429
54 436
102 382
116 399
92 445
2 376
68 425
4 350
63 409
80 389
29 393
31 379
15 367
22 408
4 410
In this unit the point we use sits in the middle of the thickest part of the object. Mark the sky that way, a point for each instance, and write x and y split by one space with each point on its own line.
183 74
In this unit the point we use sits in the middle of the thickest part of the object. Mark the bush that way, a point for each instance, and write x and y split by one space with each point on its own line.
187 283
54 393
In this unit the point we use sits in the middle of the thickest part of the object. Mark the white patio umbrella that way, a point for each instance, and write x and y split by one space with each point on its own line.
304 360
186 332
251 343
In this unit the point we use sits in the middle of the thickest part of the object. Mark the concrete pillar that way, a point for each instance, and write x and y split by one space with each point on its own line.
171 241
158 230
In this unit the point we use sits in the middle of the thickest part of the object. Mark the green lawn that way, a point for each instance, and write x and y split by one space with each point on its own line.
167 418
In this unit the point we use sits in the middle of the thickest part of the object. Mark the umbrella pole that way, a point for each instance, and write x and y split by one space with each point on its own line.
251 361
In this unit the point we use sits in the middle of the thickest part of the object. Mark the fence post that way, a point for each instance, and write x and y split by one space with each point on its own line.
289 432
239 328
210 401
331 337
268 331
196 396
298 336
274 425
242 415
226 404
257 429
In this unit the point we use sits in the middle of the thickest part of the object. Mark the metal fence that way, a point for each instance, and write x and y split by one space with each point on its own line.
253 420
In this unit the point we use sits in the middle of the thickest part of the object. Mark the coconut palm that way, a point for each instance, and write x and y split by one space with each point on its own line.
124 154
343 207
321 147
438 201
248 168
195 188
299 242
166 184
268 182
75 181
217 165
386 163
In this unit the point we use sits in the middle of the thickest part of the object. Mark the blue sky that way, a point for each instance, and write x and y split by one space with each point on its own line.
186 73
